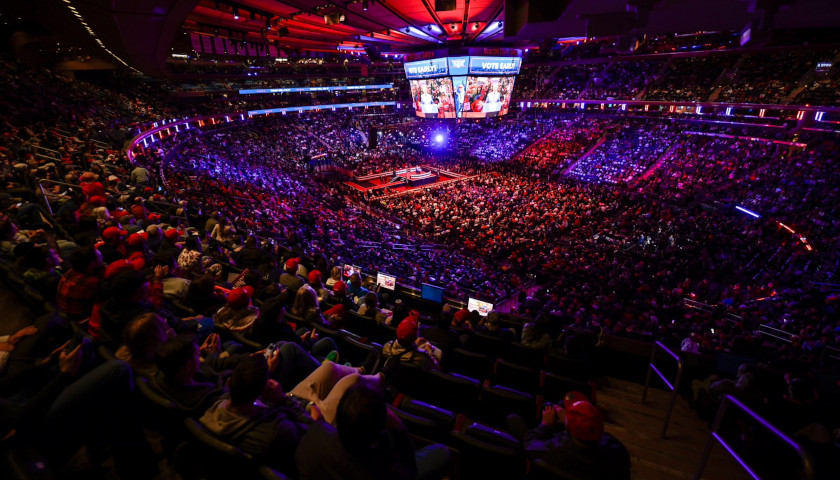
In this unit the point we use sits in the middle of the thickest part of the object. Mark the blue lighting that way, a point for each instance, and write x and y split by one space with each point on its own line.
748 212
439 138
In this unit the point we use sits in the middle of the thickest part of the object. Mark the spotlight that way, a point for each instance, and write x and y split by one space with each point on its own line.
439 138
476 26
453 27
365 5
236 14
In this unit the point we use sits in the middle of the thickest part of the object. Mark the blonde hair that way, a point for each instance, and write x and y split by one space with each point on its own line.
305 300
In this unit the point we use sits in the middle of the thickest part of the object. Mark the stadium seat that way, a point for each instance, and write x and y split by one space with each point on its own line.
452 391
489 345
359 353
497 402
481 460
524 355
361 325
555 388
562 365
522 378
471 364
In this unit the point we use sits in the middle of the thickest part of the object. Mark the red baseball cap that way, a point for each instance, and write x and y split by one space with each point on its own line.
93 189
340 287
584 422
137 239
112 233
407 330
292 264
240 297
120 266
314 276
172 234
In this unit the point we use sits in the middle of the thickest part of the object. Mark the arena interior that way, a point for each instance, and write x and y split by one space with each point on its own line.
431 239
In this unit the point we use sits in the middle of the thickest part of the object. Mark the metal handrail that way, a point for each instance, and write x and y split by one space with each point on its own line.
807 461
674 387
54 182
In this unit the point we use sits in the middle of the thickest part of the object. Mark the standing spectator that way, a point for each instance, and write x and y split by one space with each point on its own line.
140 176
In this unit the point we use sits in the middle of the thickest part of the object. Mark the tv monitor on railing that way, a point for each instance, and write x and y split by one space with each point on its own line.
483 308
431 293
386 281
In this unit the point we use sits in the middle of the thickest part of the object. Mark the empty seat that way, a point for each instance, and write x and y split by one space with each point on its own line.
568 367
555 387
361 325
478 459
452 391
524 355
359 353
491 435
471 364
522 378
497 402
487 344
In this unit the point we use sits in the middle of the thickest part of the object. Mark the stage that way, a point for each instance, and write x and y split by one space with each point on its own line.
395 182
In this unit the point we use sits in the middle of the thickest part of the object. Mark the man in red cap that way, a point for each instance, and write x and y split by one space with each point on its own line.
289 278
573 439
113 248
410 348
238 315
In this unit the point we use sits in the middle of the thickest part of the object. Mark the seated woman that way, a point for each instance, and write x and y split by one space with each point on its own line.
371 309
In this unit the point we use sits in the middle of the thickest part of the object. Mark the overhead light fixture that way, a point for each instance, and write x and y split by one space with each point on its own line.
476 26
365 5
453 27
236 14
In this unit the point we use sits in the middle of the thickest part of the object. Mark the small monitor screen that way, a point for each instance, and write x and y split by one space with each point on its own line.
431 293
386 281
351 269
483 308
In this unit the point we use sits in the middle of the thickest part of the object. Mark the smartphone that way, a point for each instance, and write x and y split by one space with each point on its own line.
269 350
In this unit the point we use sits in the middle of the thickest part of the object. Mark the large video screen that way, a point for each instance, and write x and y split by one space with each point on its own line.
432 97
462 87
486 96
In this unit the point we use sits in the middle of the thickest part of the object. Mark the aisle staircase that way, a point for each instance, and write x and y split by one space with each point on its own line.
638 426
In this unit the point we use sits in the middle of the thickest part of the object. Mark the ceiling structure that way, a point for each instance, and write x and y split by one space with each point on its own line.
142 33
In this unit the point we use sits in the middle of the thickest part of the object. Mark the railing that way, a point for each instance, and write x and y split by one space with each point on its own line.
805 457
672 386
53 182
776 333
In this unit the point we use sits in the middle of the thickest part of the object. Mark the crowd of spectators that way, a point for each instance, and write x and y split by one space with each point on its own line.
627 153
114 252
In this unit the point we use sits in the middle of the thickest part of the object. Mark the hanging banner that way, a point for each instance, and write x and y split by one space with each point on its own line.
272 51
208 44
241 49
220 45
196 42
230 47
252 50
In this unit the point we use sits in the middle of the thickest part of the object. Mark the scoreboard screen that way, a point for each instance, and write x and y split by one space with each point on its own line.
462 87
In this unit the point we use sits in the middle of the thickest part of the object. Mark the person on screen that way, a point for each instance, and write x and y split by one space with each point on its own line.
493 102
459 101
427 102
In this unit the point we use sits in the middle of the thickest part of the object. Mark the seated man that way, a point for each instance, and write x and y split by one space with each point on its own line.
257 417
410 348
574 440
368 441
